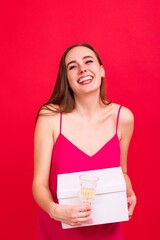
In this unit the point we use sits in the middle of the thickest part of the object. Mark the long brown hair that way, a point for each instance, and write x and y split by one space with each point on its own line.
62 97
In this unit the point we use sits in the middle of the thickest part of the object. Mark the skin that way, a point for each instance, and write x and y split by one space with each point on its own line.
97 122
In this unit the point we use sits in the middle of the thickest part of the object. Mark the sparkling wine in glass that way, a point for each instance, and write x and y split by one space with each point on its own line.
88 183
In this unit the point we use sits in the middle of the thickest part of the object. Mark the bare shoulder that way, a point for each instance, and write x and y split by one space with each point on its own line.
48 119
125 122
48 113
126 116
49 110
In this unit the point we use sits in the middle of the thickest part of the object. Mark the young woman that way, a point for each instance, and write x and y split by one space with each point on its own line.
78 130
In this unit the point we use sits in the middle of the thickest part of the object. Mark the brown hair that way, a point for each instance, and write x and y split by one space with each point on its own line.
62 97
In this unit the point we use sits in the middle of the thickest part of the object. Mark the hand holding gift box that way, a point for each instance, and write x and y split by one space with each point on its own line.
110 202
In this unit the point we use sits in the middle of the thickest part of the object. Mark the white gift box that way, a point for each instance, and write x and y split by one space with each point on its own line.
110 202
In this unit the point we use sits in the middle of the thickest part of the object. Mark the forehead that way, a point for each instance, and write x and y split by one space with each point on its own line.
78 53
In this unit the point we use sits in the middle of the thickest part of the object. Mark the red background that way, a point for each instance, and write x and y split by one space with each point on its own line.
34 35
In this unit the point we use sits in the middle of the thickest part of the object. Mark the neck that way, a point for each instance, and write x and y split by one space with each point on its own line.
89 105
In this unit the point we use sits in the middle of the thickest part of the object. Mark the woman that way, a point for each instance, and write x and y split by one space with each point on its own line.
78 130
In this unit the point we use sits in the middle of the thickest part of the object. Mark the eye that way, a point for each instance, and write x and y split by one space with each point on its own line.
89 61
72 67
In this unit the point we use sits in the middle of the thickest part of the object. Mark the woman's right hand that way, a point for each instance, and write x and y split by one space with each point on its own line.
71 215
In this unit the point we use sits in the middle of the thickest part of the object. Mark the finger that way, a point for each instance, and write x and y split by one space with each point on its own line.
80 220
76 223
84 220
87 206
131 209
84 214
83 208
130 216
131 205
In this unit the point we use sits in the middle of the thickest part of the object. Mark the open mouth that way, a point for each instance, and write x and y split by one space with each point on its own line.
85 80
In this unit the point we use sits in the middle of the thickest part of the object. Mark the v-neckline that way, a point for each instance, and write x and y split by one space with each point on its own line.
97 152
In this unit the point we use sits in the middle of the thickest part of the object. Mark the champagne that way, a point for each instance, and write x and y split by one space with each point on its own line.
88 183
87 194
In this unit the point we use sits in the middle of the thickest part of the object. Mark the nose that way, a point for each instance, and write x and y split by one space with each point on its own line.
82 69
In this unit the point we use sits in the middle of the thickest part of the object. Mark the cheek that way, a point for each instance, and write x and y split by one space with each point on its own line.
68 77
71 77
70 81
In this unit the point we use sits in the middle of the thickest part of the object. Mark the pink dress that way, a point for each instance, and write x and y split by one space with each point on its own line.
64 155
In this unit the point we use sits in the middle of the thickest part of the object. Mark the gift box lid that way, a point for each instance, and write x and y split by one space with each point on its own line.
110 180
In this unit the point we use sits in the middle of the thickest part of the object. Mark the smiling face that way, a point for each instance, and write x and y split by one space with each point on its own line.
84 71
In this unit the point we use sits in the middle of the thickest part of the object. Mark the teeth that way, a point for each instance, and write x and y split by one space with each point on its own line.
85 79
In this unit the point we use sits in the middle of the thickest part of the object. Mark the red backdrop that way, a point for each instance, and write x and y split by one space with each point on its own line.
34 35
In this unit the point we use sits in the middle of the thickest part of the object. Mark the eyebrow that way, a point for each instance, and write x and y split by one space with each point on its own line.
74 61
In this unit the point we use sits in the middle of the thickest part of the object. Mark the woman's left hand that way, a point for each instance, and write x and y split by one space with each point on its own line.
132 200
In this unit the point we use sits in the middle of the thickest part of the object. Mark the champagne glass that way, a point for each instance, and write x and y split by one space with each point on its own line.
88 183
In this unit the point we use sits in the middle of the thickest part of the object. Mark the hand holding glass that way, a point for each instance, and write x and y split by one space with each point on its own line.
88 183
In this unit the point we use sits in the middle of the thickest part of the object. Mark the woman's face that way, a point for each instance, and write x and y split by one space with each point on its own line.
84 72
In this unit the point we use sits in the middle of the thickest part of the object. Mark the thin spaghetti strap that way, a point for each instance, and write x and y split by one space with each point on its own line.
60 129
118 118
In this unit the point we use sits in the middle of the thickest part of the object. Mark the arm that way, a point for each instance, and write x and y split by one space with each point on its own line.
126 126
43 145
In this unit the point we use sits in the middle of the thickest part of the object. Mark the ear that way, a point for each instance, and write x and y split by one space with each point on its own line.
102 71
